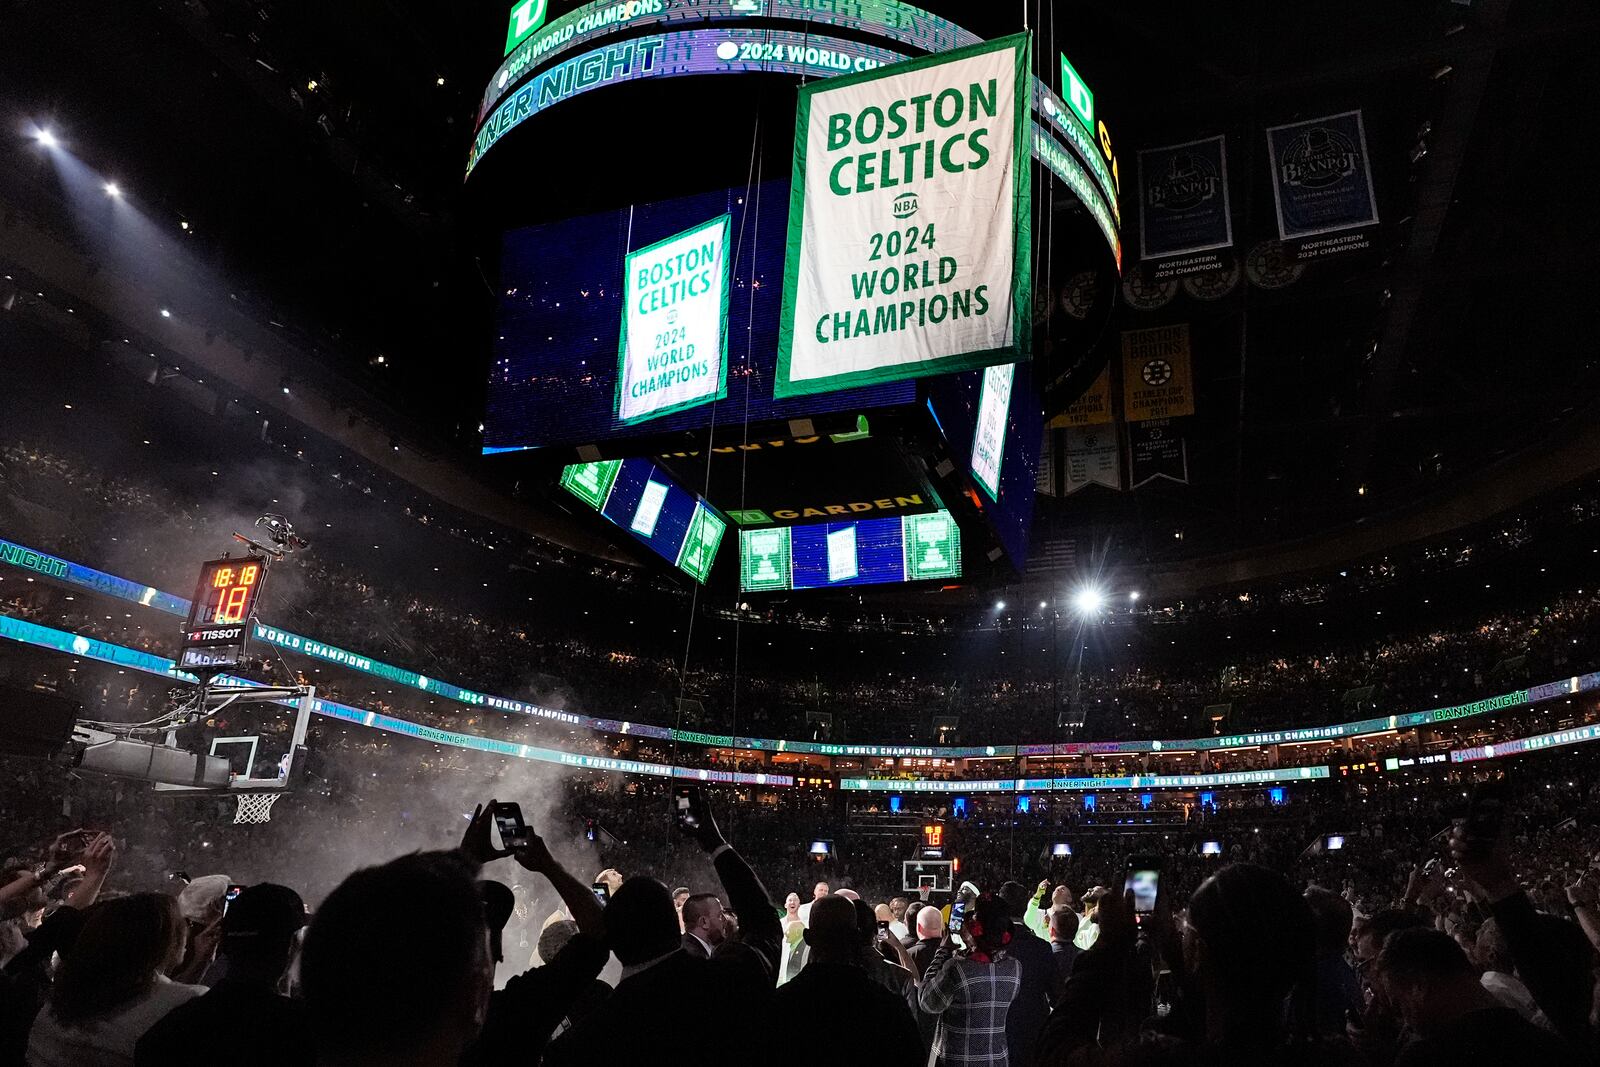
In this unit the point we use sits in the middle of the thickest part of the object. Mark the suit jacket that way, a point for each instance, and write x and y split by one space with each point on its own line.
691 944
1027 1015
643 1020
863 1018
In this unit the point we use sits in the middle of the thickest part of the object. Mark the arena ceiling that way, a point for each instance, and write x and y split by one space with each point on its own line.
317 151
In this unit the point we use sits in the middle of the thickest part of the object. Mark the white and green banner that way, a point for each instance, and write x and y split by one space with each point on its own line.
673 353
909 222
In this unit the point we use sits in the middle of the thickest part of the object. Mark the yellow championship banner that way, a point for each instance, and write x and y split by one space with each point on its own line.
1093 408
1156 379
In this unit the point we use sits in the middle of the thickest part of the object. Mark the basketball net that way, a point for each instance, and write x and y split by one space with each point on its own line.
255 807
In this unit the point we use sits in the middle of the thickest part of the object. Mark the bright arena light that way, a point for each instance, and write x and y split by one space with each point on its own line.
113 190
999 605
1134 595
45 137
1088 601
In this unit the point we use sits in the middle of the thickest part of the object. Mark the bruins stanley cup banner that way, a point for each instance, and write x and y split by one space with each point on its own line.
909 222
1184 220
1322 185
1157 380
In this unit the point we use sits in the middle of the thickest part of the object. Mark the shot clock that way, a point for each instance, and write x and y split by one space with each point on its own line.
219 615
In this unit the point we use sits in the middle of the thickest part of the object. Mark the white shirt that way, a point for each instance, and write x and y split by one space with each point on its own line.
108 1040
1087 932
1509 991
805 913
898 929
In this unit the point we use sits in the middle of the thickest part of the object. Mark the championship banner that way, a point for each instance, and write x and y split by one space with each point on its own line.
1156 450
1093 408
1322 184
1093 458
1049 449
909 222
1184 216
1157 382
673 352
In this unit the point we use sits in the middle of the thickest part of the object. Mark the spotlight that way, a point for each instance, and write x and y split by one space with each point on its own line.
999 605
113 190
1134 595
1042 605
439 81
184 225
283 383
46 138
166 314
1088 601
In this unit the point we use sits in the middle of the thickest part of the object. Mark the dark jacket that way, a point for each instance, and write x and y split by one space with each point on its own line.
644 1020
237 1022
1027 1015
524 1014
870 1024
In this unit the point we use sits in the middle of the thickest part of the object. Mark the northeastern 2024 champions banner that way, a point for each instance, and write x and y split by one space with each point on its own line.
909 222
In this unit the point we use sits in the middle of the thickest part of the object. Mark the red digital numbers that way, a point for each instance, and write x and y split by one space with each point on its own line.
233 592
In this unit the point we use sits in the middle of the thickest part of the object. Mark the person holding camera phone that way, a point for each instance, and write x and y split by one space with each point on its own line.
971 992
524 1015
670 1007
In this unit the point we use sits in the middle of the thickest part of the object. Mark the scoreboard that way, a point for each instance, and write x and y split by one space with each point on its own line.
864 552
641 498
218 623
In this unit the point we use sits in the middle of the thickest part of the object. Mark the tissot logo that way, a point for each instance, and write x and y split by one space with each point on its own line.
1190 181
1319 157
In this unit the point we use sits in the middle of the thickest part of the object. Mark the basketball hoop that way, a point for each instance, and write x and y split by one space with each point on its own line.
255 807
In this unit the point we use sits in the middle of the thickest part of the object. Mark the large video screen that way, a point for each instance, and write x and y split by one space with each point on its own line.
561 297
644 500
825 555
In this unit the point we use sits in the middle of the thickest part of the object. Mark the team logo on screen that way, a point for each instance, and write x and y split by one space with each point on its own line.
1156 372
1318 158
1190 181
905 205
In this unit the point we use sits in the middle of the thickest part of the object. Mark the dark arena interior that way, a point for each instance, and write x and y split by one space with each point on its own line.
799 531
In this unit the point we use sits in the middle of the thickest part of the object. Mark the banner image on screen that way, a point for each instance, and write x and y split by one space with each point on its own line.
675 324
555 376
909 224
989 440
911 548
643 499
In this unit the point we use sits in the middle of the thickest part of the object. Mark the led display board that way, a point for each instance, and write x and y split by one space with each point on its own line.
989 439
644 500
889 19
825 555
554 377
673 353
526 17
218 625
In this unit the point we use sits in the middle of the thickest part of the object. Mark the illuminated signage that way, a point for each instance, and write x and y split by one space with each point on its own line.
526 17
643 499
890 19
863 552
989 440
933 835
1077 95
215 633
673 352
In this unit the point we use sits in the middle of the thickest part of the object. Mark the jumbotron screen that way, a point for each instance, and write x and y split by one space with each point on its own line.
640 497
825 555
560 347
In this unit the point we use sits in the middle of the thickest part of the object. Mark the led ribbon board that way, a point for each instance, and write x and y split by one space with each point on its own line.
890 19
910 222
1045 785
87 578
867 552
643 499
674 348
131 658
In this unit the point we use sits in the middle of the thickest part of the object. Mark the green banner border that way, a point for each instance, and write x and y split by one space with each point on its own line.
725 221
1021 348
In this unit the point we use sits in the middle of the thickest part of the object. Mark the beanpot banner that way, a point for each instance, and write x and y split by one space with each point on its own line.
1322 184
909 222
1183 206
